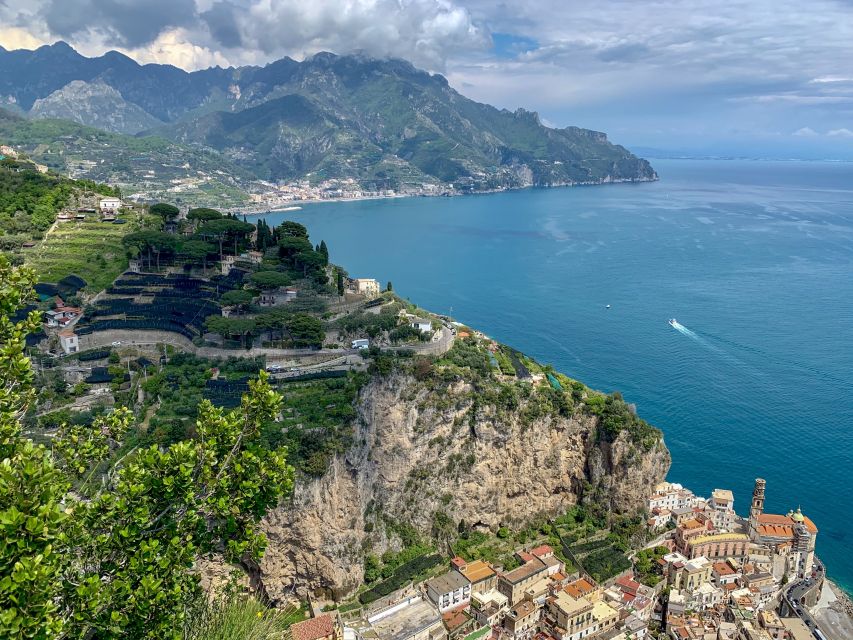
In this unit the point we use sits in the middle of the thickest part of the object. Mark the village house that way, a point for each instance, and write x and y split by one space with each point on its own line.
275 297
69 342
449 591
324 627
365 286
489 607
109 205
513 583
722 504
62 315
521 621
482 577
567 618
421 324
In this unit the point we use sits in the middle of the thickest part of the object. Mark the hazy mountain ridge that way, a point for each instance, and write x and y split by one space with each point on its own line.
382 122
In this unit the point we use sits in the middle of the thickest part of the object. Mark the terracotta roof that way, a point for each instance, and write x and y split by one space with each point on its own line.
67 334
542 550
776 523
455 619
579 588
477 571
628 584
723 569
314 629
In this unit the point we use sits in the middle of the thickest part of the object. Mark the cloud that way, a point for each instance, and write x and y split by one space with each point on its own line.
127 23
840 133
805 132
17 38
424 31
649 68
221 21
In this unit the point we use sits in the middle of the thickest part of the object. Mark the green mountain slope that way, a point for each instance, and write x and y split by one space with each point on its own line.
383 123
149 164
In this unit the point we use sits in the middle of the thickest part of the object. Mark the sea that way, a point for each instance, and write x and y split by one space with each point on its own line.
754 259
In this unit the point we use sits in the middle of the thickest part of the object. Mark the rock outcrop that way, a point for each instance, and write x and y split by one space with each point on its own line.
420 450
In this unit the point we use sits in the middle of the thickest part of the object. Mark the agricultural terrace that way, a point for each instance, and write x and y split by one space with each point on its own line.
89 248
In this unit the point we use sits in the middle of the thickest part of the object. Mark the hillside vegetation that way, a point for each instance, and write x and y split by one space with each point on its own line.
383 123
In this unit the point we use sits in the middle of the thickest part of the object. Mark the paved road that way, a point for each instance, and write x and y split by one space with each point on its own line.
441 343
795 594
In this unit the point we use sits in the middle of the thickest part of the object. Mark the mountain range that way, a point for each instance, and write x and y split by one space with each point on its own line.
383 123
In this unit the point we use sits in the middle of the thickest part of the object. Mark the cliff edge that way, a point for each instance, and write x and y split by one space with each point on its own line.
435 442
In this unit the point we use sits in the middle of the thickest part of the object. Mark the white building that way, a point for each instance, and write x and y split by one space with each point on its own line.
366 286
109 205
449 591
421 324
672 496
69 342
722 503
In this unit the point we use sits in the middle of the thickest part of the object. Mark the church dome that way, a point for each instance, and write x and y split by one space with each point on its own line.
798 516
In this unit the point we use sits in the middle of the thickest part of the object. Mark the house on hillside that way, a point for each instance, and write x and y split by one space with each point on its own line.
421 324
365 286
275 297
449 591
109 205
62 315
324 627
69 342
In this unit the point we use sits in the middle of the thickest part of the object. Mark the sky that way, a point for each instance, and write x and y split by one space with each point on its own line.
730 77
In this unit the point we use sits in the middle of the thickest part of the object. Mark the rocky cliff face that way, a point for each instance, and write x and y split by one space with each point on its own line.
420 449
96 104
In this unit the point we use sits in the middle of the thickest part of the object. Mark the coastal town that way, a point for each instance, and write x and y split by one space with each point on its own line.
715 576
250 297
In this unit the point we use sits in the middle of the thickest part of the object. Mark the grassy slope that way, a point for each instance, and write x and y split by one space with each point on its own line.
89 249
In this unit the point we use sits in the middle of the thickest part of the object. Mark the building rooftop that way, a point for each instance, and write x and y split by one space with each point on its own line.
525 571
601 610
320 627
447 583
579 588
522 609
570 605
542 550
477 571
723 495
719 537
782 526
406 622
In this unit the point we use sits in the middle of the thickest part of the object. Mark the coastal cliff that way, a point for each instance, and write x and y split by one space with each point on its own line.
445 446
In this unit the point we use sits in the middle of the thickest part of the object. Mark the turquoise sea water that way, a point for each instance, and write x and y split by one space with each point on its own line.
754 259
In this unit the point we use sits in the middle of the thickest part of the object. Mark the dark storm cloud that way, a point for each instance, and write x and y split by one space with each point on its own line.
221 21
130 23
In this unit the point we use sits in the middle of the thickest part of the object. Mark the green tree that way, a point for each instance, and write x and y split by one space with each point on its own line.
115 560
165 211
389 286
239 298
323 250
292 229
203 214
224 230
196 251
269 279
304 330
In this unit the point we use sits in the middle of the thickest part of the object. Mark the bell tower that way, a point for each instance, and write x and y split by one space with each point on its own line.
757 499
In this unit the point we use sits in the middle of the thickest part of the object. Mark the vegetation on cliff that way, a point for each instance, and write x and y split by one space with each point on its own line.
112 556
